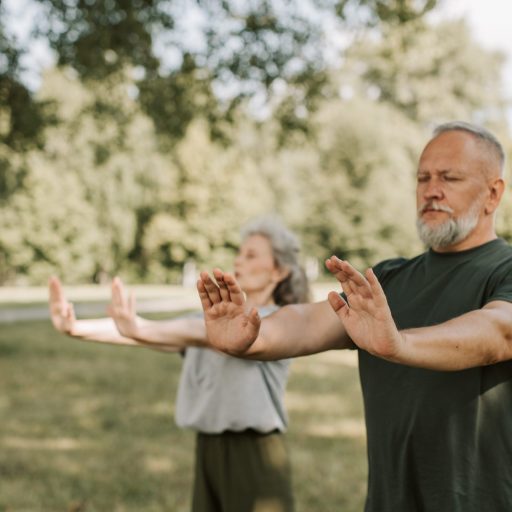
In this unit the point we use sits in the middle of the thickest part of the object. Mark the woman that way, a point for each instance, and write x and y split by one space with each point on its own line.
235 406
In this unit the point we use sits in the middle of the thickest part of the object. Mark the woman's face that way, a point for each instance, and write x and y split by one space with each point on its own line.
255 267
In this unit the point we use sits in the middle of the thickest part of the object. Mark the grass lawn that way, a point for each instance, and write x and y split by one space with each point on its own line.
86 427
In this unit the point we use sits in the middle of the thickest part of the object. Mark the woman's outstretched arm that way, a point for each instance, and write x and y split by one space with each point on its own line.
101 330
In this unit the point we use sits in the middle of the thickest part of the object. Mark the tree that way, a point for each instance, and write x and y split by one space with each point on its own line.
22 119
77 212
432 72
271 51
397 84
361 203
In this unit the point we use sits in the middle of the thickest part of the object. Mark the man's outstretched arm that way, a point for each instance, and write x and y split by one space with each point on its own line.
477 338
292 331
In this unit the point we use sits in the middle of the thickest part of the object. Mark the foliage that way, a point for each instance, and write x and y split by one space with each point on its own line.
364 183
201 58
432 73
107 193
21 118
81 193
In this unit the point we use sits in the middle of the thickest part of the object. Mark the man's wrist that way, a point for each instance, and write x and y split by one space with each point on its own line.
397 351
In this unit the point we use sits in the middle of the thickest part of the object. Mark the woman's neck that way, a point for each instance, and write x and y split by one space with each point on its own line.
259 298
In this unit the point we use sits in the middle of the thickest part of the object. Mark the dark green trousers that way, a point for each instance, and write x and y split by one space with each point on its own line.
242 472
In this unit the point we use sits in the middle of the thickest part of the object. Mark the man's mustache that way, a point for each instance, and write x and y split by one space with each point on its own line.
433 205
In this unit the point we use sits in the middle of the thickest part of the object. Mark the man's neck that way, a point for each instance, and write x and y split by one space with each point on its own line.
466 244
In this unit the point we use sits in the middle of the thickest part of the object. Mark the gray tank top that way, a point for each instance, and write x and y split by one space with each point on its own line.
218 392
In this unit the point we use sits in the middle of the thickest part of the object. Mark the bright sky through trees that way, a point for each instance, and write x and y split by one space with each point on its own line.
490 21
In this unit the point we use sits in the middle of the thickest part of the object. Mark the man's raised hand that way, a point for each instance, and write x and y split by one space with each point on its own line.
231 326
365 315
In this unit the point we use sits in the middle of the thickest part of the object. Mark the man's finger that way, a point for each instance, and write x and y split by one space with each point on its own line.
356 277
223 287
378 293
211 288
235 292
352 281
334 267
254 317
336 301
203 295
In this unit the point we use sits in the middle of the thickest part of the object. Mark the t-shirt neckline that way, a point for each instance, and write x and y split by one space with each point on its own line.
466 252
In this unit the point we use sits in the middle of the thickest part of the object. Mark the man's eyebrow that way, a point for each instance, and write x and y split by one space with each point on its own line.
440 171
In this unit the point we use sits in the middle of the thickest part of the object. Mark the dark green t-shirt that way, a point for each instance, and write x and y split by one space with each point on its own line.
440 441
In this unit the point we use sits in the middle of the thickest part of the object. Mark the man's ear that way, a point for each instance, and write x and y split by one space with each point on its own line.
496 189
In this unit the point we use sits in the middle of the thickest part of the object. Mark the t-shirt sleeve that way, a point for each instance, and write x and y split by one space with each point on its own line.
386 267
381 270
500 284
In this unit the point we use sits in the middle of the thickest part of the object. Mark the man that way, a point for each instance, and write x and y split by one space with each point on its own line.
434 335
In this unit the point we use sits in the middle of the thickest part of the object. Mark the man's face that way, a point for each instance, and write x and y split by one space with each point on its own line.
450 189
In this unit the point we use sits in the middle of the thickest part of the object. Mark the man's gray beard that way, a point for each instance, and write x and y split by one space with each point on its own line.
450 232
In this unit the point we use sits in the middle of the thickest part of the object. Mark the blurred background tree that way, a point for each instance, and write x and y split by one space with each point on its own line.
165 125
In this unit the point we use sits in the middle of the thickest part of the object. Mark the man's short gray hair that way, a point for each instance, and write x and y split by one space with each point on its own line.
491 143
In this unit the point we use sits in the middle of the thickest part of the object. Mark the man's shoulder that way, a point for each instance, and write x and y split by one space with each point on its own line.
497 254
393 264
502 247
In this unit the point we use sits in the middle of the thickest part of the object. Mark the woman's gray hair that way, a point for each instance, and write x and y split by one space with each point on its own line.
294 288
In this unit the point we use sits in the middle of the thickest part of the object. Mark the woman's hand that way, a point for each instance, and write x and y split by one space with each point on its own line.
122 310
61 311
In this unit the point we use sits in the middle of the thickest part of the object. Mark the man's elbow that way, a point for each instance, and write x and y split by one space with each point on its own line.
502 349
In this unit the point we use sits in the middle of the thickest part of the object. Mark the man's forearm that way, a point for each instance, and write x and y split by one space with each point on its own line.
477 338
299 330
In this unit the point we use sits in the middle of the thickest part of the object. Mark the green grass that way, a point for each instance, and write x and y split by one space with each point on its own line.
89 427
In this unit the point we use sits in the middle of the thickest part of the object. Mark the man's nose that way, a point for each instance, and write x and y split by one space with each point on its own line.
433 189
